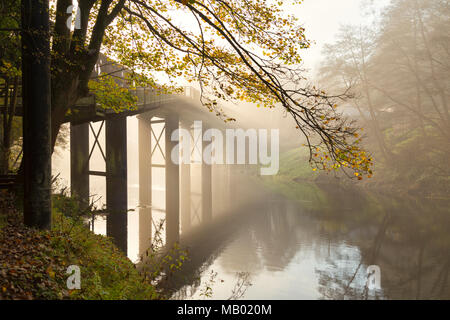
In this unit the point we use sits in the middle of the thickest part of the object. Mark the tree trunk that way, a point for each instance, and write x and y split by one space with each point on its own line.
378 133
8 121
64 95
37 113
4 163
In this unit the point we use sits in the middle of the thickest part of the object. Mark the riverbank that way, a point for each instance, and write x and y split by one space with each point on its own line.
33 263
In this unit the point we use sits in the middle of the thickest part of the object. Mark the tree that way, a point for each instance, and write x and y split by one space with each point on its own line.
10 73
349 61
400 78
416 79
238 50
36 117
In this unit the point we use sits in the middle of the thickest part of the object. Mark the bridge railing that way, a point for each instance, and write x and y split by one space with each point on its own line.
88 107
150 95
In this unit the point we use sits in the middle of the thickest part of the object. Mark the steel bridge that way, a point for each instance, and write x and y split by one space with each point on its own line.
159 115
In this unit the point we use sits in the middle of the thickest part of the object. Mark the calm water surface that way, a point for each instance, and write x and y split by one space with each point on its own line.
319 247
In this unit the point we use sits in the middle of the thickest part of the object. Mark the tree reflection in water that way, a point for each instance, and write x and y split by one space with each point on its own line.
276 238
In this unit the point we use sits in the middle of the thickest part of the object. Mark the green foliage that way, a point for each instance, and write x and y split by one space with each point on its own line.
9 39
417 166
7 69
158 264
111 95
397 70
106 273
296 180
207 291
294 164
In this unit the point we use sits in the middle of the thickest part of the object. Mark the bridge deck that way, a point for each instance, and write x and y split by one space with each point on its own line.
87 109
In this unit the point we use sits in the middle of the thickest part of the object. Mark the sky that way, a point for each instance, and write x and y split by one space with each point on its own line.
322 18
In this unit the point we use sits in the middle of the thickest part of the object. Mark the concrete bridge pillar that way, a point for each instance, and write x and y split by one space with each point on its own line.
172 184
79 162
185 185
145 185
116 181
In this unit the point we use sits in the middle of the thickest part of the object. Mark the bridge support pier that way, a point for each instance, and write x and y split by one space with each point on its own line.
116 181
145 186
79 162
172 184
185 184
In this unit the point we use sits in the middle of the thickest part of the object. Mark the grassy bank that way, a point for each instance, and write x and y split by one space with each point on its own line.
296 180
411 170
417 165
33 263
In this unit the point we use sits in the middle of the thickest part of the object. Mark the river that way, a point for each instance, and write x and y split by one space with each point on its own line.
320 245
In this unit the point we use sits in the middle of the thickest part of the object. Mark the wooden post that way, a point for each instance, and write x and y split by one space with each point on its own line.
172 184
145 185
116 181
79 162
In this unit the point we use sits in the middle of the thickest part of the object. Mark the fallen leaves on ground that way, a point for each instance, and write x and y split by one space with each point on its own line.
28 270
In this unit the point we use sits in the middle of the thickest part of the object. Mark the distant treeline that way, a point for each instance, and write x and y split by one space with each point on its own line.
398 69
